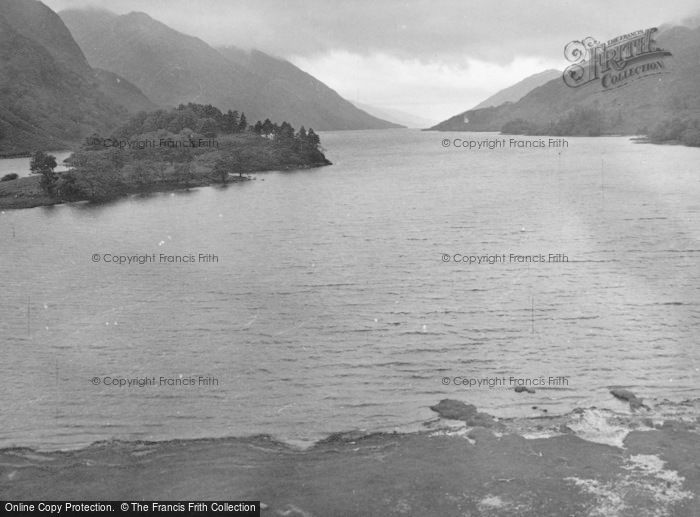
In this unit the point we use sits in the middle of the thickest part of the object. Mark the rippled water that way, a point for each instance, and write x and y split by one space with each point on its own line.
330 307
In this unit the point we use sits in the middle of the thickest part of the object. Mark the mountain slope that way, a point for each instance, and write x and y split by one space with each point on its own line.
291 93
517 91
627 110
173 68
397 116
49 95
123 92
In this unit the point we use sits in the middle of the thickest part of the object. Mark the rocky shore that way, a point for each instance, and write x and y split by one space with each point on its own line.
475 465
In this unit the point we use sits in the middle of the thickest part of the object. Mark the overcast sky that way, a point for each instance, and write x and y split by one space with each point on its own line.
429 57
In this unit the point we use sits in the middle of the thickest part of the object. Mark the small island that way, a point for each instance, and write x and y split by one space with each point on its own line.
190 146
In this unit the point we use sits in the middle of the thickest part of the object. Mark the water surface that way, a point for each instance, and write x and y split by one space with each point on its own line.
330 307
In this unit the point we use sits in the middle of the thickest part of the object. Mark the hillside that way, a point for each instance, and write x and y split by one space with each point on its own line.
173 68
629 110
122 92
397 116
520 89
292 94
49 95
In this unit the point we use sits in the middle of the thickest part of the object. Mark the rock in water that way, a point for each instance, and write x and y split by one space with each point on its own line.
457 410
626 395
454 409
520 389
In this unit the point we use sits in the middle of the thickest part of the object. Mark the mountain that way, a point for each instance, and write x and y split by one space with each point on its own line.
292 94
632 109
517 91
49 95
173 68
397 116
123 92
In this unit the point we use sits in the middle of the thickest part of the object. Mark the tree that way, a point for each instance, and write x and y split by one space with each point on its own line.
230 123
220 170
184 174
44 164
94 177
313 139
242 124
229 162
140 173
285 134
301 138
267 127
519 127
691 137
207 127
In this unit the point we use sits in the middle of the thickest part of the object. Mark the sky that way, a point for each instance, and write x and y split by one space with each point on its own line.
430 58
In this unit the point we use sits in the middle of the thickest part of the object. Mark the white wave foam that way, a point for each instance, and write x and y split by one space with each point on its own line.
646 489
595 425
462 432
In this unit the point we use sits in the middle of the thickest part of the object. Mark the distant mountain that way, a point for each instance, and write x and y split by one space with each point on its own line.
520 89
628 110
173 68
397 116
49 95
291 94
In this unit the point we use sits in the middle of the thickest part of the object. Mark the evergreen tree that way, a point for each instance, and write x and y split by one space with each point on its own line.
285 134
242 124
267 127
313 139
230 123
301 139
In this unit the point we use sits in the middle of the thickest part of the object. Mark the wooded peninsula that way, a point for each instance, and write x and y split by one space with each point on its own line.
190 146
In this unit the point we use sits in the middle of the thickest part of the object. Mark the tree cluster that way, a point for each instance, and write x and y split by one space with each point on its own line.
285 134
161 149
205 119
577 122
685 131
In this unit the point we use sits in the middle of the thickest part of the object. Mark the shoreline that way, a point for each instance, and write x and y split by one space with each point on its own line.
453 467
24 192
634 138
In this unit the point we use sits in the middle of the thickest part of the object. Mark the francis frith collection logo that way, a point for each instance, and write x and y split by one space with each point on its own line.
616 62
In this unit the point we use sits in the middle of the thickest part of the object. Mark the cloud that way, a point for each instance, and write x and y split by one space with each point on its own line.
435 90
425 30
434 58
